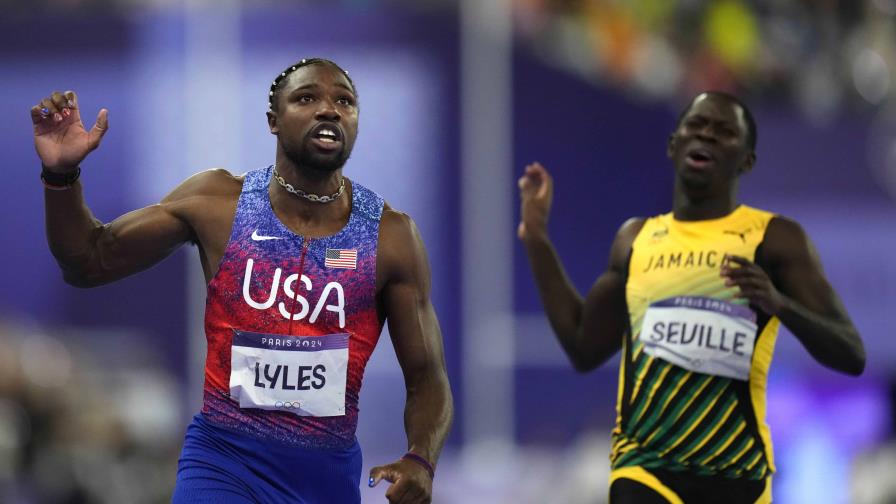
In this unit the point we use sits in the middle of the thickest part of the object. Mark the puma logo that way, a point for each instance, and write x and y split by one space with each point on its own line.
743 234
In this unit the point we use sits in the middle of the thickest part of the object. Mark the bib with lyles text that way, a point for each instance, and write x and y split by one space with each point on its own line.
301 375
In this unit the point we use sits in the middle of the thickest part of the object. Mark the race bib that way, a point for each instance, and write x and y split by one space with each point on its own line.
303 375
701 334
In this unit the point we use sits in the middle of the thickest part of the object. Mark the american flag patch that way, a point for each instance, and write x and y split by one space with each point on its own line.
341 258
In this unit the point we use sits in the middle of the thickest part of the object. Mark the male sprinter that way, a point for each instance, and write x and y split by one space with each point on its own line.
694 298
303 268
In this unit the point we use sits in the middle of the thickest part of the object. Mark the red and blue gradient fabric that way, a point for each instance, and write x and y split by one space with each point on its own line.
273 282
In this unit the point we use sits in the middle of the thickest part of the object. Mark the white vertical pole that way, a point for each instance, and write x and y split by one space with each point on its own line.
211 114
487 228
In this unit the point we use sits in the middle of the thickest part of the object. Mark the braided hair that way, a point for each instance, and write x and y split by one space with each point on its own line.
276 85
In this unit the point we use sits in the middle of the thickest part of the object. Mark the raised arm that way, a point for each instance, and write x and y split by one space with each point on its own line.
789 282
88 251
590 330
405 298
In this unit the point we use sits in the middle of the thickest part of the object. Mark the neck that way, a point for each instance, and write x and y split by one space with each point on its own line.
300 211
693 205
308 179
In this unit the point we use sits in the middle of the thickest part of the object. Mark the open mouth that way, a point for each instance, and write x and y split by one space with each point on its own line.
699 158
327 136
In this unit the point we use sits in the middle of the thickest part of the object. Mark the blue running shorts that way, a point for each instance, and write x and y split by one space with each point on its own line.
220 466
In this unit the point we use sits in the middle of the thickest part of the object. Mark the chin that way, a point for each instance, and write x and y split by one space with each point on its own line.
321 163
324 165
694 181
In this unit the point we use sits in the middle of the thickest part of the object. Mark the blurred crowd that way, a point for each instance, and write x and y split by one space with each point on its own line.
83 420
825 55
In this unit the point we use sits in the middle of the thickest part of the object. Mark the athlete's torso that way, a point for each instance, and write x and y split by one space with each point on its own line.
692 383
291 323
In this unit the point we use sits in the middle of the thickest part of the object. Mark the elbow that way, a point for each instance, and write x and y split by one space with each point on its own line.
854 368
586 363
856 365
583 366
81 271
853 362
585 360
80 279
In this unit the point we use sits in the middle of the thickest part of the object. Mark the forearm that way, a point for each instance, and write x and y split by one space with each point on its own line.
428 414
562 302
72 229
832 342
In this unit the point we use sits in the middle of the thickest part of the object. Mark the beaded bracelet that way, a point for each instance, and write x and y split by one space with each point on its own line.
413 457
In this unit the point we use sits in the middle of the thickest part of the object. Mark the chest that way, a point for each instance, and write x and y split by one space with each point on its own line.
670 258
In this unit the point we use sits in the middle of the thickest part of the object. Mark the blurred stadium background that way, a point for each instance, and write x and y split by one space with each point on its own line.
97 386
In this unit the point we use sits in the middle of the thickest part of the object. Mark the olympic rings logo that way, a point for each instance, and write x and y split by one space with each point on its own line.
287 404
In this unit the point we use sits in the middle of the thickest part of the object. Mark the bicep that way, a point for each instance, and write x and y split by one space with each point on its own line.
605 312
414 330
796 269
137 240
604 317
605 302
413 325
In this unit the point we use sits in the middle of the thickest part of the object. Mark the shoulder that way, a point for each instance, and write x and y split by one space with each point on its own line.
216 182
785 239
630 229
627 233
397 226
784 232
401 255
622 244
781 227
208 196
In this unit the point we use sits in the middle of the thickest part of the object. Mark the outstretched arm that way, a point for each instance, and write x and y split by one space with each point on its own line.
89 252
792 286
418 345
590 330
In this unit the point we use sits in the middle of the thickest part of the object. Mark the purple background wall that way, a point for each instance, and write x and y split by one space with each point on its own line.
606 151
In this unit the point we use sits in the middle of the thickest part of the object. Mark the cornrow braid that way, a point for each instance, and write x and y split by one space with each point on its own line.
281 78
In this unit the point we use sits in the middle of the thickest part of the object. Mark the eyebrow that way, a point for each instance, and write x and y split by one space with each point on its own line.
711 120
315 85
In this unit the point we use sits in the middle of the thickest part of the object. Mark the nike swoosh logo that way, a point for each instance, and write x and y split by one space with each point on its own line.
258 237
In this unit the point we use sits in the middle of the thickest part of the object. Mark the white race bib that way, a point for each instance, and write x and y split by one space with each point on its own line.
701 334
304 375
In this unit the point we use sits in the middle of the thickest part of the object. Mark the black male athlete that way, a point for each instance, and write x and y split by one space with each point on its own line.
693 298
303 268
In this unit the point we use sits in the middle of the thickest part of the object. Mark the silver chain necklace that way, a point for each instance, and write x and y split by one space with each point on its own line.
309 196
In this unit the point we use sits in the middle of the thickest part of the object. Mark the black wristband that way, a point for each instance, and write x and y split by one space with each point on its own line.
53 180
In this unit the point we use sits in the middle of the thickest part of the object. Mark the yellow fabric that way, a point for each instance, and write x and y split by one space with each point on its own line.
766 497
645 478
762 359
682 258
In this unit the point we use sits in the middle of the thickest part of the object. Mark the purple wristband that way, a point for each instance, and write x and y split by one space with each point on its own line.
413 457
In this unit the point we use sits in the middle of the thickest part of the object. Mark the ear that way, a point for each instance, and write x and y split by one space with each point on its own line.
670 146
272 122
747 167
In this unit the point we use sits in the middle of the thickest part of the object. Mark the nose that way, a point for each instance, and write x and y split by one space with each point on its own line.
327 112
706 134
